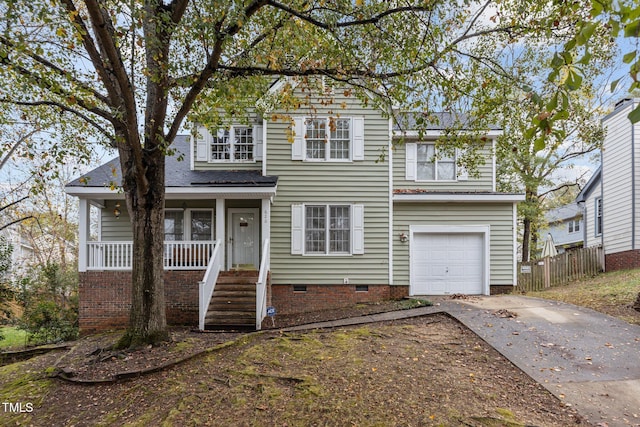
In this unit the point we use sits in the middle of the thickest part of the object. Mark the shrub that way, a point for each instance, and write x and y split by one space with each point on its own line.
51 306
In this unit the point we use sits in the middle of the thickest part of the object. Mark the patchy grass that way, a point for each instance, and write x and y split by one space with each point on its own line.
609 293
24 384
426 371
13 337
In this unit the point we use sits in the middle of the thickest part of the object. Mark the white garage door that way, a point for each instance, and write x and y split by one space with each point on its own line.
443 264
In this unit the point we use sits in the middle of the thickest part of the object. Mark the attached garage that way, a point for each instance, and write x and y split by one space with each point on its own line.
447 260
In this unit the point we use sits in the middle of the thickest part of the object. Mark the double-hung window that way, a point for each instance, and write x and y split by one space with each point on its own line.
190 224
233 144
433 166
327 229
574 226
322 139
598 217
327 138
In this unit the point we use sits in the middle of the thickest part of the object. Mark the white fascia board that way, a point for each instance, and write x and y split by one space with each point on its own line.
487 198
226 192
414 134
106 193
95 193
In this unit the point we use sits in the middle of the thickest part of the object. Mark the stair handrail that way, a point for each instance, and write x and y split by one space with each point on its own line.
261 284
208 283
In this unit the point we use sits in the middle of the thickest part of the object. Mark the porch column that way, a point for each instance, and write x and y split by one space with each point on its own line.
220 229
83 233
266 220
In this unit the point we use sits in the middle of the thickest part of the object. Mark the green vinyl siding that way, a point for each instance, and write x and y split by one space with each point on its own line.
499 217
119 229
362 182
484 182
115 229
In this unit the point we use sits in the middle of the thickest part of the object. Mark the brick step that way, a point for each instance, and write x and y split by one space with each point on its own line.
246 280
232 295
235 287
243 305
225 319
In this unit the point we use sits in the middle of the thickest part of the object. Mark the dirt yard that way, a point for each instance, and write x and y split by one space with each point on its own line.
428 371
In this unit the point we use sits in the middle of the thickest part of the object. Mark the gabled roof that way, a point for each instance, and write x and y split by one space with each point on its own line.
177 174
412 121
563 213
592 185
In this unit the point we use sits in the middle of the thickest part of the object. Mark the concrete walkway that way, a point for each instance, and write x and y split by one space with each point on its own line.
588 360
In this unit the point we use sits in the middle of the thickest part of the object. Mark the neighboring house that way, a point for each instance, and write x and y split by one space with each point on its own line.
590 201
315 208
612 200
22 255
566 226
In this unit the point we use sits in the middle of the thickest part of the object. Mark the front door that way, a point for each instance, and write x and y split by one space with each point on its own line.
244 239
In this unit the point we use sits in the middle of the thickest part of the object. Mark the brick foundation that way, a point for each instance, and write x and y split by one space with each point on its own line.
622 260
105 298
322 297
501 289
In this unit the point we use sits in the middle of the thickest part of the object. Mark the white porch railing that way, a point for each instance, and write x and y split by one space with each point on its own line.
261 285
178 255
208 283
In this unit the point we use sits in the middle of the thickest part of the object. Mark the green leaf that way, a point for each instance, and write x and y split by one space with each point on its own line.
586 58
614 84
560 115
632 29
530 133
574 80
627 58
570 44
596 8
553 103
539 144
557 61
634 116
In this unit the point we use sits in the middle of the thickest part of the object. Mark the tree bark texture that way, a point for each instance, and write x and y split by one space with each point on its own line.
145 203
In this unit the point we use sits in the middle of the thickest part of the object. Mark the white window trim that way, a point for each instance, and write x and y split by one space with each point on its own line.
356 140
435 163
186 227
572 226
411 164
596 232
256 133
356 229
327 148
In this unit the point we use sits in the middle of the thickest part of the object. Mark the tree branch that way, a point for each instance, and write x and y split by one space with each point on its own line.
200 81
15 222
53 67
63 107
372 20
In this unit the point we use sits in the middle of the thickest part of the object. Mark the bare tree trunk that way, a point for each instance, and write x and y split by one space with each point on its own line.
533 245
147 322
526 236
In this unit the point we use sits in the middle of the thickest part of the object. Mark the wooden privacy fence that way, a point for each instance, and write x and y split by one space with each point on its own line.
560 269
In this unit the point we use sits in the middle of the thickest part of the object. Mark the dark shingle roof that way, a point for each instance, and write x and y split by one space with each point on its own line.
408 121
178 173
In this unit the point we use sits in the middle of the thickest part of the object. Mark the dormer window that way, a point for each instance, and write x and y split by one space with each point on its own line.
233 144
236 144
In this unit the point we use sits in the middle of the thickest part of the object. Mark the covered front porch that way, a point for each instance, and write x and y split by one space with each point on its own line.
211 230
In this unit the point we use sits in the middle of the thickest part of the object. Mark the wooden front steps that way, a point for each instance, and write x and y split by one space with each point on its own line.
233 305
